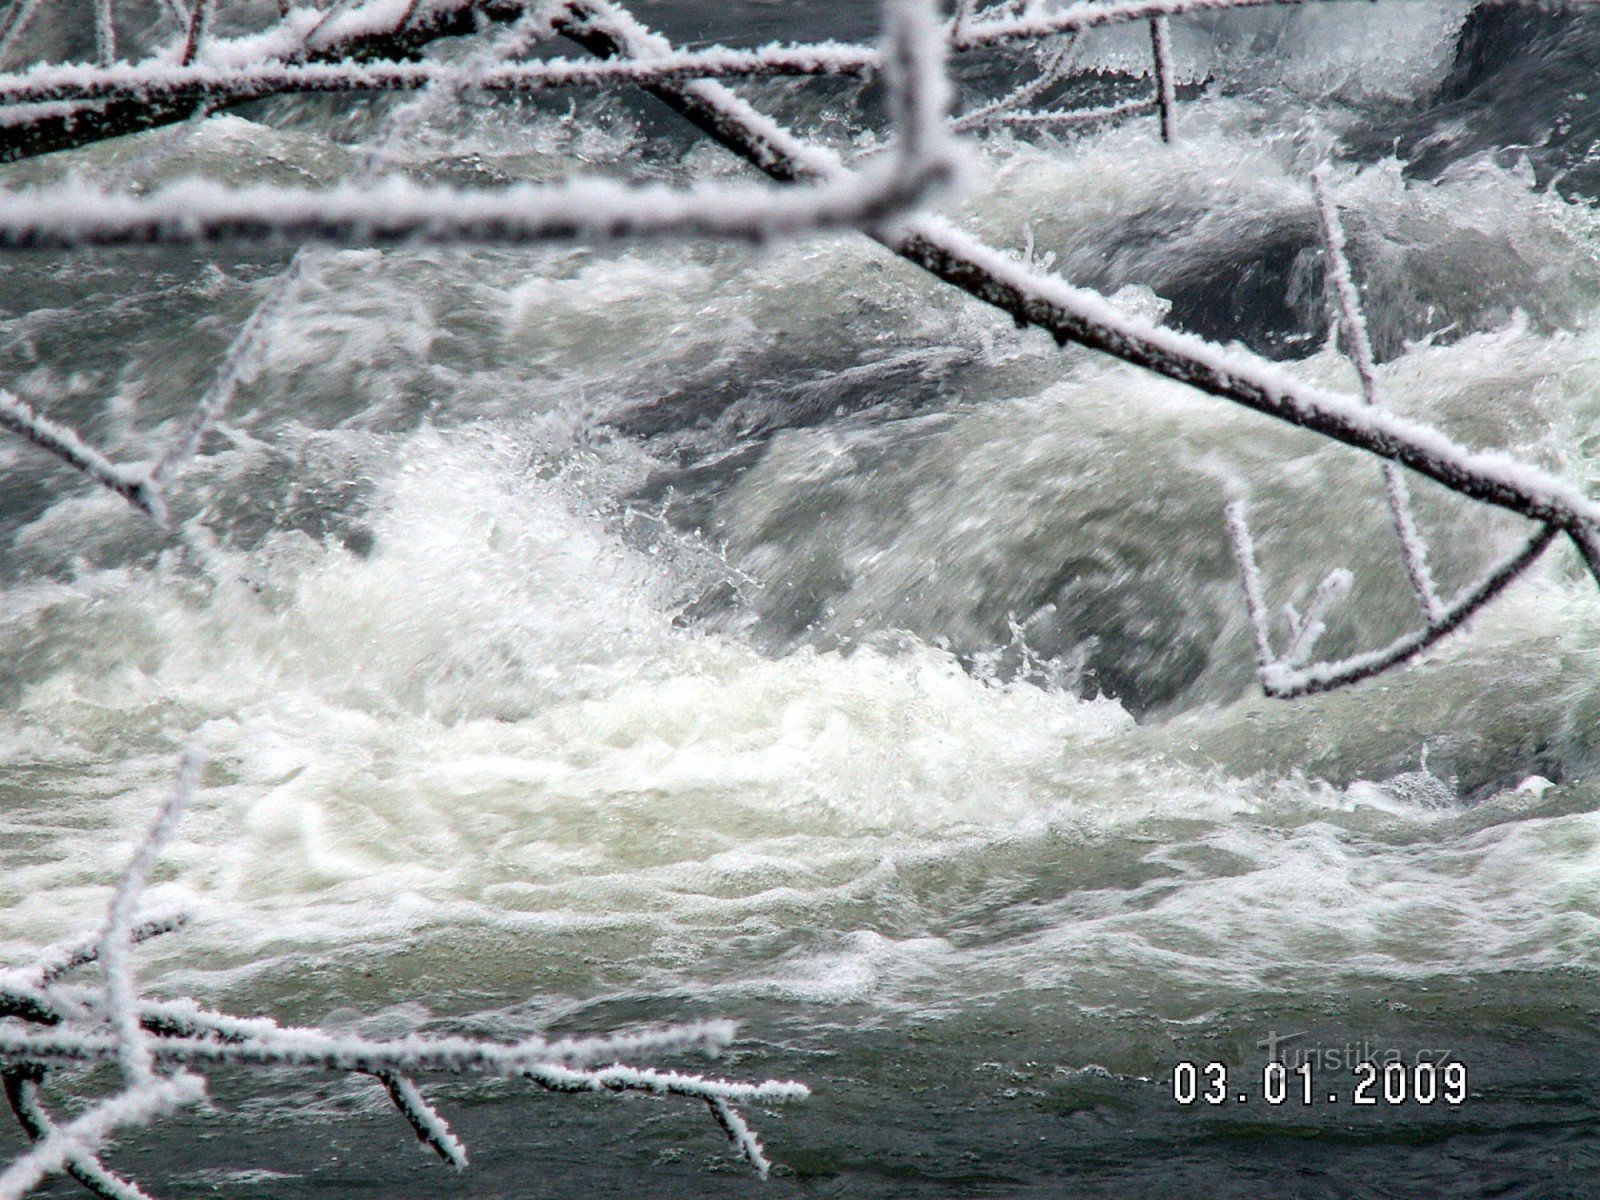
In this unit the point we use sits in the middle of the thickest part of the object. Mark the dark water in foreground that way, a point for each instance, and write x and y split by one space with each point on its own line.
584 638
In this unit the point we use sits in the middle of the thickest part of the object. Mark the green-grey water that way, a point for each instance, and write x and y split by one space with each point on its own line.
593 637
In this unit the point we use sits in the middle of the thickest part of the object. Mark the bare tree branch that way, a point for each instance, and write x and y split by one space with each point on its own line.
1284 679
1075 315
133 484
1166 85
431 1129
1353 323
21 1087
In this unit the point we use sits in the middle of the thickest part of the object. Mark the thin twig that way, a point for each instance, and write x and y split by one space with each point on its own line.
432 1130
55 963
105 31
1050 73
116 943
195 34
1353 323
17 15
21 1085
242 358
66 1143
1255 601
740 1134
132 484
1166 85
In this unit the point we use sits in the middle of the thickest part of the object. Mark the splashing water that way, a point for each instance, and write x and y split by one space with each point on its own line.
584 637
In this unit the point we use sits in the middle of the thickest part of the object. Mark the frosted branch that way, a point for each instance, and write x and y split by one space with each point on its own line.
960 17
242 359
1166 85
17 15
740 1135
1285 681
414 1055
22 1094
195 34
1358 344
116 943
161 83
105 32
57 962
1244 554
1070 119
431 1129
65 1144
1306 630
132 484
993 113
1077 315
925 161
151 1036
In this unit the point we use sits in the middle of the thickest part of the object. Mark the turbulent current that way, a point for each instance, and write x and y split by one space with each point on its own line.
585 637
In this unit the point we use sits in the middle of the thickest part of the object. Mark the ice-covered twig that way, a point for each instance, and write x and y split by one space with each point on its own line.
74 1147
17 15
67 1143
21 1087
1068 119
1304 631
1286 680
1036 21
57 962
1050 72
431 1129
105 31
1353 324
195 34
116 943
1166 84
1255 600
22 996
242 358
740 1134
133 484
1072 314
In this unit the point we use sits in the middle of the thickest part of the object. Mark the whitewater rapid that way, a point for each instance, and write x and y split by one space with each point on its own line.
641 633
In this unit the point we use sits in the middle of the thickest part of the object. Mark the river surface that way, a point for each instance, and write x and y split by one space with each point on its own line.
591 637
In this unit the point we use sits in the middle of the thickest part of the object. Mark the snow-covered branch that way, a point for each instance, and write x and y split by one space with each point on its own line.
1077 315
163 1046
224 83
1286 678
379 29
133 484
1353 325
1038 21
1166 79
1288 675
925 161
21 1087
1074 315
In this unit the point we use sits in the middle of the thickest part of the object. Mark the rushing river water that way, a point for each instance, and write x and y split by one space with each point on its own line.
585 637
